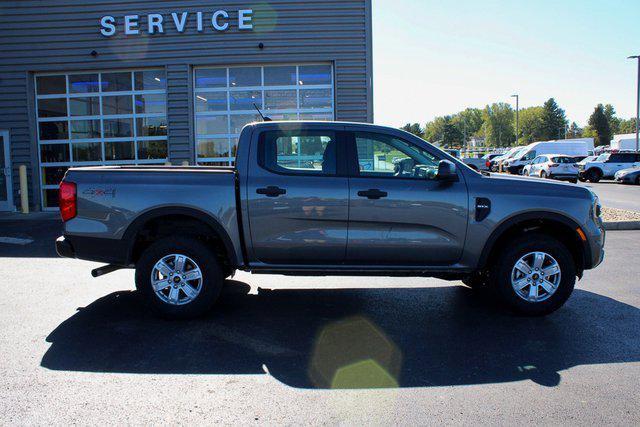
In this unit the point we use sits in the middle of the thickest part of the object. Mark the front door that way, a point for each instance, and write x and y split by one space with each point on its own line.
400 215
298 201
6 193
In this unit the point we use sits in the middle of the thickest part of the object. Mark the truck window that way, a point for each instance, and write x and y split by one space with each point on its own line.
386 156
299 153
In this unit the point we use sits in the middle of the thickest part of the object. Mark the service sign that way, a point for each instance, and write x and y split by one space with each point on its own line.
157 23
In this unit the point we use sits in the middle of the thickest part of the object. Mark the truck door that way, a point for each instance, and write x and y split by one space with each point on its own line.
298 198
399 214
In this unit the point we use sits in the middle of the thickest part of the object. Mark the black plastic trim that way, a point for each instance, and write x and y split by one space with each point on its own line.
109 251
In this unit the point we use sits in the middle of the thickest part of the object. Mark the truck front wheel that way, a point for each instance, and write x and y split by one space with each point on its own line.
179 277
534 275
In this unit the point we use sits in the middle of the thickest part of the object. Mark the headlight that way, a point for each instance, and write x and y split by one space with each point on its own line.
596 208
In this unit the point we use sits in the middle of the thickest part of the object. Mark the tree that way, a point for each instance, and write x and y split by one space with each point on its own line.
531 125
443 131
574 131
434 130
469 122
413 128
600 126
627 126
554 121
499 124
614 122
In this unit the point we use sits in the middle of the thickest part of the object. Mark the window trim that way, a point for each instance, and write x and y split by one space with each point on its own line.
339 138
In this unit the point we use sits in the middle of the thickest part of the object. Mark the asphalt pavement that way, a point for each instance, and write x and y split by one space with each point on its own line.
616 195
78 350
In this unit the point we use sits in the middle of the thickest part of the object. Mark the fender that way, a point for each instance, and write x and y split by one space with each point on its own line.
527 216
137 224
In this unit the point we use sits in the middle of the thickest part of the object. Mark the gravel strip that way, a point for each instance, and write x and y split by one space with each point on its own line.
619 215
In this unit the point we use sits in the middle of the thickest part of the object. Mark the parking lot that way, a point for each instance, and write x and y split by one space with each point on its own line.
79 350
616 195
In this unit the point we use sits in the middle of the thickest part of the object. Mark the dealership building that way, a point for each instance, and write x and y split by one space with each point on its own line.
111 82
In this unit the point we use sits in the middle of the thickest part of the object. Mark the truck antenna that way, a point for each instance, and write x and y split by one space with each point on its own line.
264 119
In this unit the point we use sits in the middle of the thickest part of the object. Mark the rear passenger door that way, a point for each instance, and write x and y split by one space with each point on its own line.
298 198
399 214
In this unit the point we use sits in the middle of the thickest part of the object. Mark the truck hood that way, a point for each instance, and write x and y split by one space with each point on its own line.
542 187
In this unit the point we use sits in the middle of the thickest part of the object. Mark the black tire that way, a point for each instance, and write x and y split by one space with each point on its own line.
204 257
638 180
516 249
593 175
573 181
543 174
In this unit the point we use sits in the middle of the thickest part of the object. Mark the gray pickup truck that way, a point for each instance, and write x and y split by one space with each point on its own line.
309 198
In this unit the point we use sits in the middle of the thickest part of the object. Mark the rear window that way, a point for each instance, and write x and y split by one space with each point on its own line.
310 152
563 160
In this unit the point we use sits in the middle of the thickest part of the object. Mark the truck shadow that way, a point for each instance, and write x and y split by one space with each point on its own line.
350 338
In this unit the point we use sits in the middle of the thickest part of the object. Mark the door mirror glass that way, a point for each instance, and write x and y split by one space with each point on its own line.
446 171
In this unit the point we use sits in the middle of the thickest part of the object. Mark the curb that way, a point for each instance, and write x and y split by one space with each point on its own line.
622 225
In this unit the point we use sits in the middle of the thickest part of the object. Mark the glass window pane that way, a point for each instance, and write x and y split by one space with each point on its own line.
215 147
245 100
211 78
150 80
152 126
245 76
112 105
239 121
283 116
212 125
322 117
84 129
53 175
87 152
280 100
55 107
121 150
51 198
211 101
303 153
315 98
54 153
315 75
151 103
89 106
116 82
84 83
49 85
280 76
54 130
118 128
148 150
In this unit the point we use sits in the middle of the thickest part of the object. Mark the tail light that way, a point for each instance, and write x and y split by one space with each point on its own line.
488 164
67 200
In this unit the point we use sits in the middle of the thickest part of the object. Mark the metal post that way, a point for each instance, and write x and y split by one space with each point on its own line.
637 57
517 97
24 189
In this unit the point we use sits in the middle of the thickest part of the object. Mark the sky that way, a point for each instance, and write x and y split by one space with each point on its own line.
433 58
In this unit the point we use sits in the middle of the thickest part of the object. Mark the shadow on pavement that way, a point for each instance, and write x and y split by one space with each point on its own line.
350 338
43 233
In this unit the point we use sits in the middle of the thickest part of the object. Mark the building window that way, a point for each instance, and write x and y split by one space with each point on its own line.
99 118
225 97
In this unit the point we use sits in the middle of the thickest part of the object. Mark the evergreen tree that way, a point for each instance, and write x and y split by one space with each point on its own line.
574 131
553 121
413 128
614 122
600 126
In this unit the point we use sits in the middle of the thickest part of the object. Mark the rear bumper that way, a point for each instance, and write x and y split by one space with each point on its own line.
109 251
564 176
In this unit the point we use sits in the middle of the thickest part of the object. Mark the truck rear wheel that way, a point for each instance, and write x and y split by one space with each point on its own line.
534 275
179 277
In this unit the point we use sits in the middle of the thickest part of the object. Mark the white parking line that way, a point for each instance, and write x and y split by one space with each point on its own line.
15 241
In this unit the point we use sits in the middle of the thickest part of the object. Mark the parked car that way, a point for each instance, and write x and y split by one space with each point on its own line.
569 147
185 229
554 166
606 165
501 160
480 163
628 176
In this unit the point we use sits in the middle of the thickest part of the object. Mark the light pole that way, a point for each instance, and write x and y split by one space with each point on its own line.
637 105
517 97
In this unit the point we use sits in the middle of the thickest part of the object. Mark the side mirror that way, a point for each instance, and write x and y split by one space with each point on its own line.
446 171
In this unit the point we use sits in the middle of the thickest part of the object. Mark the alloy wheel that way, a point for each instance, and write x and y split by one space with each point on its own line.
176 279
536 276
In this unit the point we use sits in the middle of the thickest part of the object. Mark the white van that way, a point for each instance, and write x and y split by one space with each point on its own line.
624 142
569 147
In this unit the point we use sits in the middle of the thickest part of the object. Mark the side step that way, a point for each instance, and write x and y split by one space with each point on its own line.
106 269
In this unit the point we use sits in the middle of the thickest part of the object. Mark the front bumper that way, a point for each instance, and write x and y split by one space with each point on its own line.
626 179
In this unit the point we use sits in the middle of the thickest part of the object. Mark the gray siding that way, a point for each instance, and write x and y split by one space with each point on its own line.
49 36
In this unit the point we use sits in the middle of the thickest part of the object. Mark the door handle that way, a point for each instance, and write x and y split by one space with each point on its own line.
271 191
373 194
